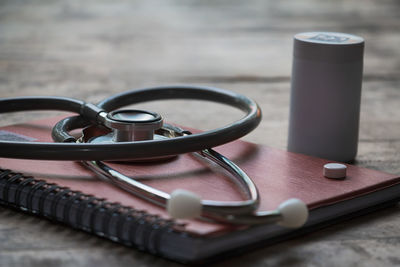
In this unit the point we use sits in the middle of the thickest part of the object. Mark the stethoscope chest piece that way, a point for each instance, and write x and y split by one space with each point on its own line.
128 125
132 124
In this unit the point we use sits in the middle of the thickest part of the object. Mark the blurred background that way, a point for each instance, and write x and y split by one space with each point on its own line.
92 49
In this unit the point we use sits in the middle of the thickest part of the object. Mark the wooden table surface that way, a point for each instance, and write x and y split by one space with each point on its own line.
91 49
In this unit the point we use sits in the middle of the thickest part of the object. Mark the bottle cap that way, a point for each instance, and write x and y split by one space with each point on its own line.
332 47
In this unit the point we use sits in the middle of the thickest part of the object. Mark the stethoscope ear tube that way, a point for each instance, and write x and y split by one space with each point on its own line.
183 204
210 209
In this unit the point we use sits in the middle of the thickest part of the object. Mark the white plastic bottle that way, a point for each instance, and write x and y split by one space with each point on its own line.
325 95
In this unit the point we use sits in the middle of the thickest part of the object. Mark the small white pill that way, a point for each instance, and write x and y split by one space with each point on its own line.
335 170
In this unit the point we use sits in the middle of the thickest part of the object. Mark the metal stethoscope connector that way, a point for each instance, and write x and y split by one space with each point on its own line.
140 125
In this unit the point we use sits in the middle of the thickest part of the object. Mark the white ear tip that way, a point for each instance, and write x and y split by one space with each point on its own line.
184 204
294 213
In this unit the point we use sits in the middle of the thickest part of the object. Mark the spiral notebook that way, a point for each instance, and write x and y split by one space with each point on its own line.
69 193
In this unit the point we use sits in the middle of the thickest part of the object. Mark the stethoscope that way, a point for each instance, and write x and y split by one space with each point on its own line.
114 134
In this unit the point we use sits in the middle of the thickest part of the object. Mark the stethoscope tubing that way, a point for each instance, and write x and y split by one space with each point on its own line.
130 150
232 212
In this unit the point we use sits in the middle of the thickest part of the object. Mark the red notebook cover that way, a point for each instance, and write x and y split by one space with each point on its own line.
278 174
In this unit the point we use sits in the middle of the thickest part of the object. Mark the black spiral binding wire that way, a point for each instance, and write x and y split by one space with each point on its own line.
85 212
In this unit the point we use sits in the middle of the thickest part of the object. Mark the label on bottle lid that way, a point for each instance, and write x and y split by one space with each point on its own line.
329 38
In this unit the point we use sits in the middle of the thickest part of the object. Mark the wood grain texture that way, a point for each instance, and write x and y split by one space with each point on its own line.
91 49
